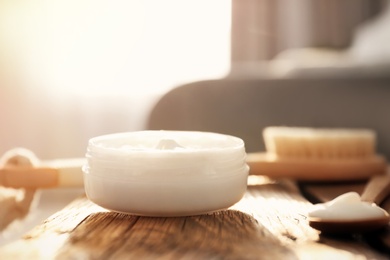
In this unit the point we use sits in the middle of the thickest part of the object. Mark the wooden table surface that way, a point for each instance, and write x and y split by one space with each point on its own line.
268 223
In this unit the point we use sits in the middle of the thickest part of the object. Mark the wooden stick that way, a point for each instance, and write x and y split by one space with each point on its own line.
56 173
377 189
28 177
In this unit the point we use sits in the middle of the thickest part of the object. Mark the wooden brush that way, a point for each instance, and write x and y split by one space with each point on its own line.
22 173
313 154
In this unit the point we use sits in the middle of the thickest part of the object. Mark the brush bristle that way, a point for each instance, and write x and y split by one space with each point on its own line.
319 143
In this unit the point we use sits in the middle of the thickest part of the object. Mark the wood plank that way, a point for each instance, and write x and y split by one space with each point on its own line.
269 222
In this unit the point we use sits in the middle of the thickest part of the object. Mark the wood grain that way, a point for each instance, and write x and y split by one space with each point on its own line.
268 223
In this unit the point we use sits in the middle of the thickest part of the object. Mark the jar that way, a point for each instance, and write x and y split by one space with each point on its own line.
165 173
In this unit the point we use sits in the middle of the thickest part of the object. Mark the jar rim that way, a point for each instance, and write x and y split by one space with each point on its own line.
145 142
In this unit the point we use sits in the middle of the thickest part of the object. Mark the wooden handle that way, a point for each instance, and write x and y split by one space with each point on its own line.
55 173
377 189
28 177
69 171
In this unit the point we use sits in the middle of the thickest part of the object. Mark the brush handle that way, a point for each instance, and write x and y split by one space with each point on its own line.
377 189
69 171
49 174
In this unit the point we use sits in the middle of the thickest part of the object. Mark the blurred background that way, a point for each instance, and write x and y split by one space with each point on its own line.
71 70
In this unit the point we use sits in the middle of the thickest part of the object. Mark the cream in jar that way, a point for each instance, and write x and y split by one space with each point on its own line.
165 173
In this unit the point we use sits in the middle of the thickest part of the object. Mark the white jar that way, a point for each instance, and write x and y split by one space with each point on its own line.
165 173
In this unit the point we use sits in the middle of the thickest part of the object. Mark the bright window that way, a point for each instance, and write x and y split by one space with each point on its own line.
114 47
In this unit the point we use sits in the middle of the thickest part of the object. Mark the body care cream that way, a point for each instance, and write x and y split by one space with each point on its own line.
347 206
165 173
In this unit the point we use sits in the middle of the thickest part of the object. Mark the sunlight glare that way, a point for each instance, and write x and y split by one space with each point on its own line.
100 47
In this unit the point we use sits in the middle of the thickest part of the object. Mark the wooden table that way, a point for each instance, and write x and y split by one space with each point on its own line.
268 223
